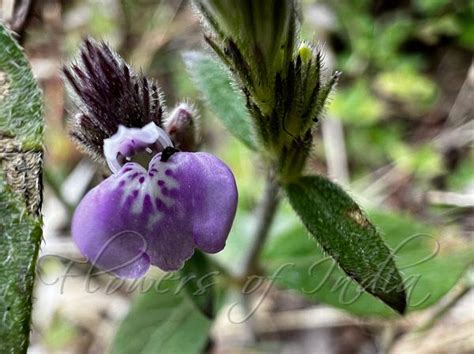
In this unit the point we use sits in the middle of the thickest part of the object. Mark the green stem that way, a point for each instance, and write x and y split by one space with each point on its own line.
267 210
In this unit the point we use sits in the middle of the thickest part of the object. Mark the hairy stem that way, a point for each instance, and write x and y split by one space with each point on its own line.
267 211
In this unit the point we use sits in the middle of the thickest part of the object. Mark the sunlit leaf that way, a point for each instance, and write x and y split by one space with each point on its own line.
409 87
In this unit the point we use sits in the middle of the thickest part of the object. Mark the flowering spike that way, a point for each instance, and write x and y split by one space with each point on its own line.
279 74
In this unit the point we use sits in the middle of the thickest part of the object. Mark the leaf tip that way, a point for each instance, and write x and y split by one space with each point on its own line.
397 301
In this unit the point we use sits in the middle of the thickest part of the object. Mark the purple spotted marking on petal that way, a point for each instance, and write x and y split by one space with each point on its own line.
159 225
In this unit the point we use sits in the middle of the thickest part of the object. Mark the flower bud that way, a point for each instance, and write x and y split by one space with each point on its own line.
182 127
305 52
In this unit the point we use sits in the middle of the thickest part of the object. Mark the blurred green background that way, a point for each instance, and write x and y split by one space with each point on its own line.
398 134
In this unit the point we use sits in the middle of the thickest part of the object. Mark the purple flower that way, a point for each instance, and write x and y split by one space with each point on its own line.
156 215
159 204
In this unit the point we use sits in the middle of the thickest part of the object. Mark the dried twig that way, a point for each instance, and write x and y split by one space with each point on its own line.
335 149
450 198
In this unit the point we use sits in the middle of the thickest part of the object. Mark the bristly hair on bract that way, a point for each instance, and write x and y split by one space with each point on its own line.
108 93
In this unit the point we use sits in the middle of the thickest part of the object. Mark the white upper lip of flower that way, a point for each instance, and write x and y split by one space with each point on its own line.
147 135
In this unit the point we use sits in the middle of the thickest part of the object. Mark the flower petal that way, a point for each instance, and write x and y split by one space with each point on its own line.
137 217
127 142
208 186
99 232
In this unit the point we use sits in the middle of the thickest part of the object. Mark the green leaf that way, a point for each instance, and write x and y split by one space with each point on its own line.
216 85
21 112
345 233
428 274
162 320
21 126
198 275
19 245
